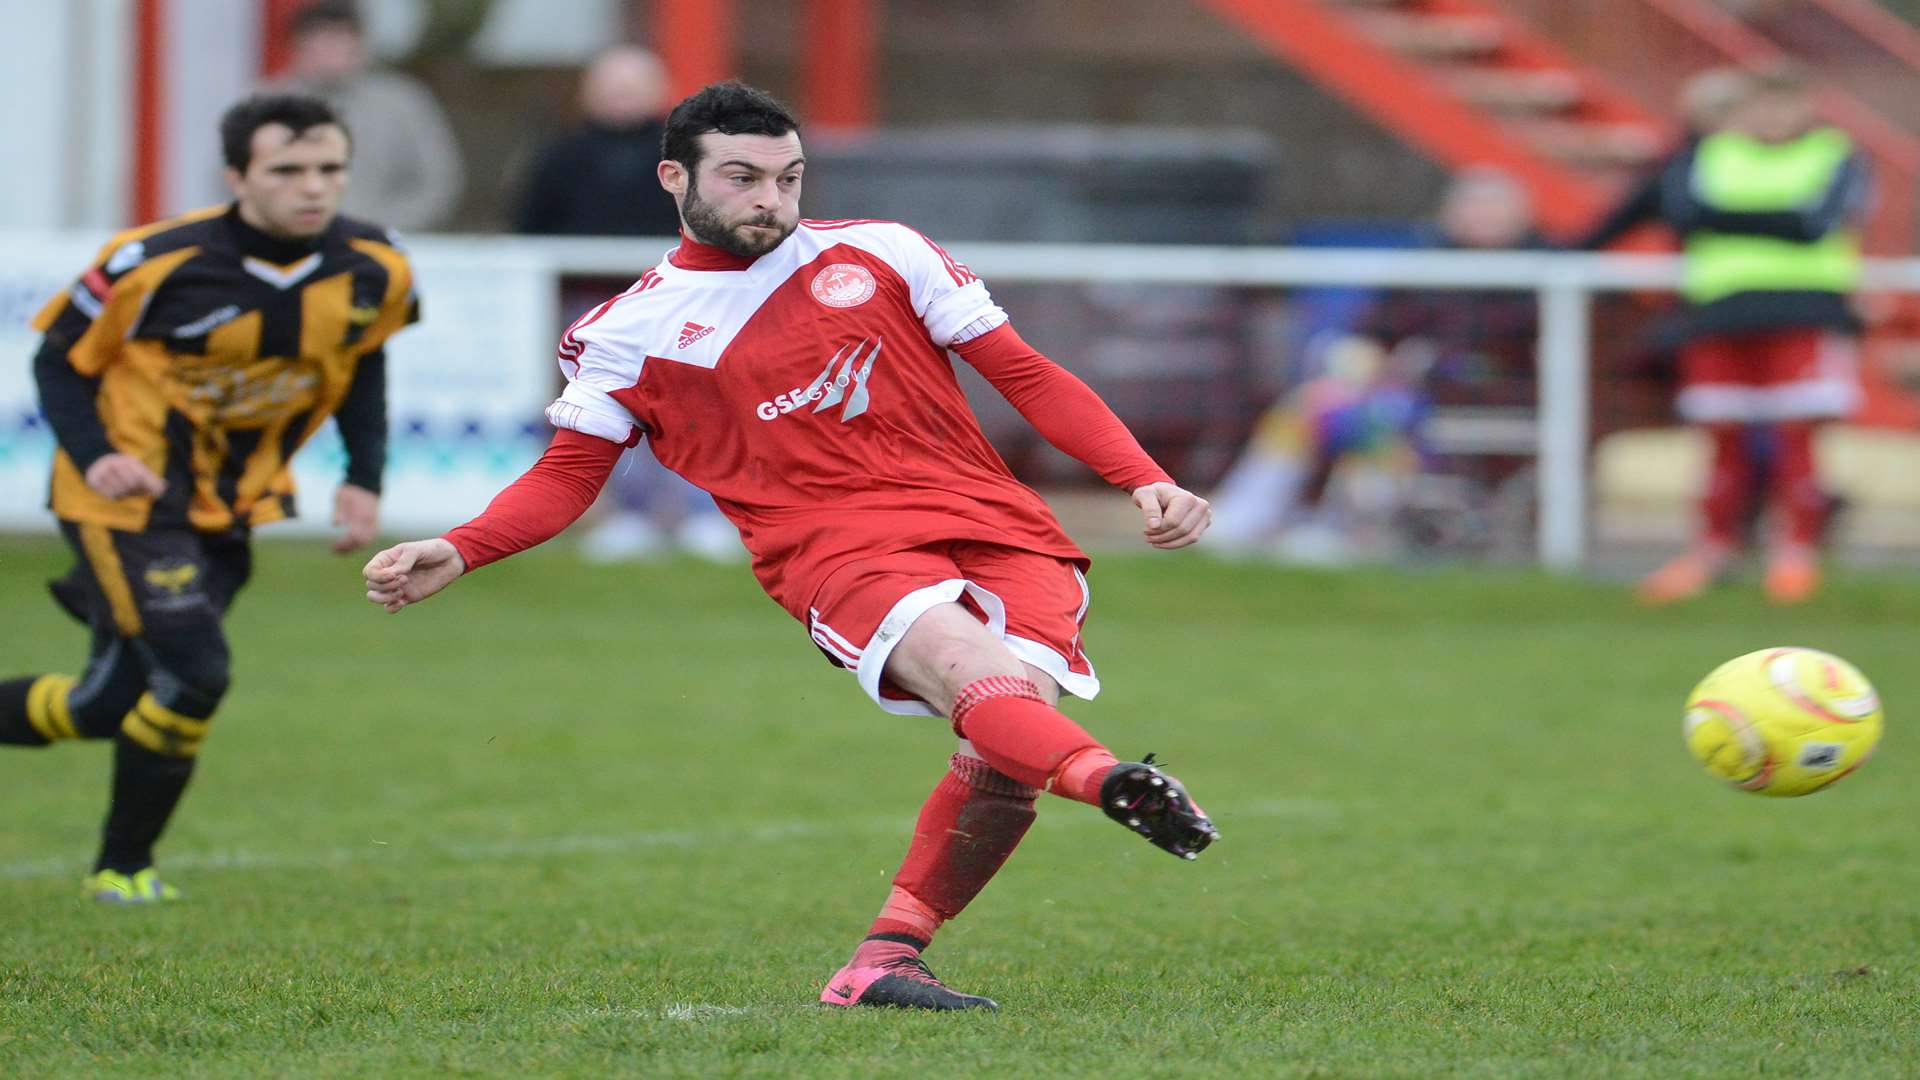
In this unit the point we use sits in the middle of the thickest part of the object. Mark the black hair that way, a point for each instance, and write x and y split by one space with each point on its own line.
326 15
730 108
297 111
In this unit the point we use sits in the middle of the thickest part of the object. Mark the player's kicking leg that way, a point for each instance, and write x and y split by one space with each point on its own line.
970 825
1000 707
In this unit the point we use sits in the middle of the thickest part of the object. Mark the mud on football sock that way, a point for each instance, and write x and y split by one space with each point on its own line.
968 827
1022 736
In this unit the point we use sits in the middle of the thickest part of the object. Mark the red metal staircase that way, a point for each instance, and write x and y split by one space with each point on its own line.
1468 84
1527 85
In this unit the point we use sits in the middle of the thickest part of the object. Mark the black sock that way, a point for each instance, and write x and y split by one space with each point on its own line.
14 728
146 788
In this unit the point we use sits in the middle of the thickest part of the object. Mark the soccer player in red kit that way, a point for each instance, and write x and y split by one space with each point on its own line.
798 371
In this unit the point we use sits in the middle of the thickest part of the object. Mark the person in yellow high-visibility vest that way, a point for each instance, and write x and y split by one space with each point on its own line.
1768 209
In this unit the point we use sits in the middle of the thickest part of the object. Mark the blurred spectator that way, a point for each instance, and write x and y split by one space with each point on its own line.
1706 102
1363 417
406 165
1372 387
1480 345
654 513
599 179
1768 211
602 179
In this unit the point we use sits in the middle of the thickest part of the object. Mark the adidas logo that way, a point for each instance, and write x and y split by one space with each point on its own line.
692 332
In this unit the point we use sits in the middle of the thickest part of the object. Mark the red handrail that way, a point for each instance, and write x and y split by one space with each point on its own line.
1894 35
1523 45
1407 100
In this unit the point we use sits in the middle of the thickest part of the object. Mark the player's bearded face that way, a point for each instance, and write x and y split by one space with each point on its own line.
293 184
745 195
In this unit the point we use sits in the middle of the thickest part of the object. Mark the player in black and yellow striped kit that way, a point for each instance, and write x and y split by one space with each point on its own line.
179 374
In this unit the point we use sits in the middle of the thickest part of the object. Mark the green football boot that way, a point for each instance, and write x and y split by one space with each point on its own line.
140 887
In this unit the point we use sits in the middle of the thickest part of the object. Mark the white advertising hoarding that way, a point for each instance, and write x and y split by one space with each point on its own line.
466 386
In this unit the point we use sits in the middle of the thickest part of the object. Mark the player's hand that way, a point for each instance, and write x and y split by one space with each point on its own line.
1176 517
118 476
357 512
409 573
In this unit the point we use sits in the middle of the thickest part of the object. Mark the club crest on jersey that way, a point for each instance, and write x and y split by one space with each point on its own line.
844 285
843 380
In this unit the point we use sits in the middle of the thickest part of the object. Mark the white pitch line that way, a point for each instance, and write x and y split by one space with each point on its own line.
378 851
684 1011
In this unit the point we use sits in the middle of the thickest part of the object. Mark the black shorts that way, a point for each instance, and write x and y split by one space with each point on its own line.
141 581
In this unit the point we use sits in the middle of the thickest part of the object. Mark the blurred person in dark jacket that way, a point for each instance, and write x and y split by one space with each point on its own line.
1706 103
598 179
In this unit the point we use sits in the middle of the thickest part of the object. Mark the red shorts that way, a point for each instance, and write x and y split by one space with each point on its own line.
1033 603
1807 374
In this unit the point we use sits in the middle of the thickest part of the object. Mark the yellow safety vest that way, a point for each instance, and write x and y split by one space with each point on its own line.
1735 172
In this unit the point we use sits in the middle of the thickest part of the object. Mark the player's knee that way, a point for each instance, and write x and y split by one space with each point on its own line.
191 670
945 650
200 683
97 715
957 662
1043 682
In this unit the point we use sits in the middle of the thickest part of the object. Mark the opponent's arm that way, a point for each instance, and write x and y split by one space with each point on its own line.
1640 205
68 399
1068 414
532 510
362 417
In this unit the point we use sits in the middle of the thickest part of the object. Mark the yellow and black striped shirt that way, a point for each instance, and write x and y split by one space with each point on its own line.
211 352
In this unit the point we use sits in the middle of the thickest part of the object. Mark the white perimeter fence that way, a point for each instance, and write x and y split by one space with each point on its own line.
468 385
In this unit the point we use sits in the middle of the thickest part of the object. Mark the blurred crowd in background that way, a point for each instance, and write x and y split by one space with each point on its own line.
1332 423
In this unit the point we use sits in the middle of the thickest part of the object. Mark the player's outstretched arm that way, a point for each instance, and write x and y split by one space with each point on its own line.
1072 417
409 573
532 510
1175 516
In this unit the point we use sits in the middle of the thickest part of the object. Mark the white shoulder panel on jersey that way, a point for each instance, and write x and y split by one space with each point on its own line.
952 302
603 352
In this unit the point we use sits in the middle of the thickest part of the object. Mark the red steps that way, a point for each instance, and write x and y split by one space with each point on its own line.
1469 85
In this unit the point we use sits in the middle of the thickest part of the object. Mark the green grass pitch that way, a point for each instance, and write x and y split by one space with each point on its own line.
589 821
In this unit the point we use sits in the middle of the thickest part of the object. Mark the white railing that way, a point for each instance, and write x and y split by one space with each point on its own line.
1564 284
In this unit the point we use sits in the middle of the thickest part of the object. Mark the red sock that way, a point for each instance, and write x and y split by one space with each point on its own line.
878 952
1796 488
1729 481
1029 740
969 825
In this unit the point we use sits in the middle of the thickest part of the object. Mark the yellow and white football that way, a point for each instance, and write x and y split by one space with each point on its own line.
1783 721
